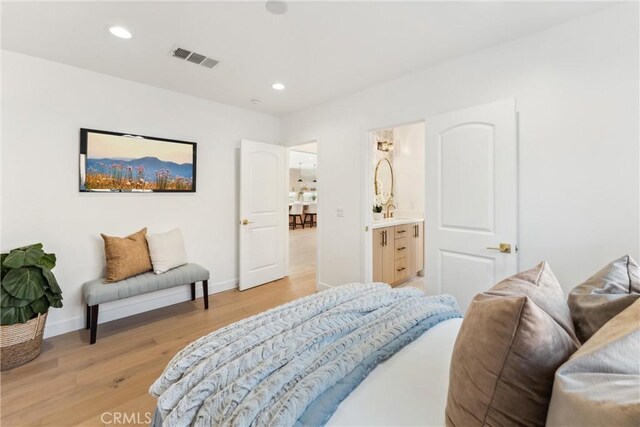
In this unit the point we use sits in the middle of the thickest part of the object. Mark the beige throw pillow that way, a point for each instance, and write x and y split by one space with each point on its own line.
166 250
126 256
512 340
605 294
600 384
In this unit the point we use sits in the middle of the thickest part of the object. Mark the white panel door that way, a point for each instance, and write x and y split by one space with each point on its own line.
472 201
263 215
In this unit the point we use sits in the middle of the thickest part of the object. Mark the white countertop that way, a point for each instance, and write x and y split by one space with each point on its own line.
390 222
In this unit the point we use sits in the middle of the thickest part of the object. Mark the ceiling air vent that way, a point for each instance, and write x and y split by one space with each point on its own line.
181 53
196 58
209 63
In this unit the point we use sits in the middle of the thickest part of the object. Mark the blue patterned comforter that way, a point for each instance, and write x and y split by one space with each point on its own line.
293 364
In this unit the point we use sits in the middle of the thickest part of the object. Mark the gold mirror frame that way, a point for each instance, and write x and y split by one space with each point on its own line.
375 180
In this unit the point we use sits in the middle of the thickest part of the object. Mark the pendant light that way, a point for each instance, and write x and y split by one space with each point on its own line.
300 171
315 173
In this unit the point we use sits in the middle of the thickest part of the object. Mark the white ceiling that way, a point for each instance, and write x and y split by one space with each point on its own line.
305 160
319 50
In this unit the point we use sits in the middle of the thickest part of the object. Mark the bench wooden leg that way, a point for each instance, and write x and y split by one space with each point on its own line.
205 293
88 316
94 323
193 291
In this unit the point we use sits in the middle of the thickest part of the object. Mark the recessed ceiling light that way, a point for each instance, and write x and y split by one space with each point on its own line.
120 32
278 86
276 7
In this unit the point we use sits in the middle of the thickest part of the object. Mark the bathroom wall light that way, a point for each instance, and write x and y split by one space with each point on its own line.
385 146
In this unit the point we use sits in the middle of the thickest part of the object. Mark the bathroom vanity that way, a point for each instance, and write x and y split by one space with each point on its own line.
398 250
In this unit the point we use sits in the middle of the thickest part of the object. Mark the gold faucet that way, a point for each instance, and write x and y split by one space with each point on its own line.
394 208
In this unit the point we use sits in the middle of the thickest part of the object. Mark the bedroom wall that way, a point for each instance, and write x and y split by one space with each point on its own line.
576 87
44 105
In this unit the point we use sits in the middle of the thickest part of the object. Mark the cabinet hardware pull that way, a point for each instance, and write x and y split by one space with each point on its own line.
402 248
402 231
400 269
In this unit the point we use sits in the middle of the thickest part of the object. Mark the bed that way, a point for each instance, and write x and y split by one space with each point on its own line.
360 354
409 389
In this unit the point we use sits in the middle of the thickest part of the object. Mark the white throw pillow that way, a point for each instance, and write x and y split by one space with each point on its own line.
166 250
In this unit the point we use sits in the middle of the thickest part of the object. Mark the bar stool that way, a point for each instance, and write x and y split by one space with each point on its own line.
294 214
310 216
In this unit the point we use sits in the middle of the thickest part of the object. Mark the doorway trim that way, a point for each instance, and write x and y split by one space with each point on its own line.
289 148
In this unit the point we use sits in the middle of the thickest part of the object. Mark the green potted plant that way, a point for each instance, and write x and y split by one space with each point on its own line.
377 212
27 290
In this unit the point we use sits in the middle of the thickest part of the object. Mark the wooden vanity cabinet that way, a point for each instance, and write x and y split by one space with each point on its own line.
383 255
398 253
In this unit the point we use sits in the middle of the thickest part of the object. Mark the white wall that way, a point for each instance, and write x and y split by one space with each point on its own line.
408 170
576 87
44 106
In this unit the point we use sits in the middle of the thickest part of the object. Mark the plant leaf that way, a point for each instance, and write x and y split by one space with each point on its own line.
13 315
20 257
7 300
51 280
2 267
48 260
54 300
35 245
41 305
25 283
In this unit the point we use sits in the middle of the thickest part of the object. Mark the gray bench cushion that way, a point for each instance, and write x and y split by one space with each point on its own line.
98 292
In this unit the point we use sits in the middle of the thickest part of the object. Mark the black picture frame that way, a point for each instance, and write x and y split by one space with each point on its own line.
84 141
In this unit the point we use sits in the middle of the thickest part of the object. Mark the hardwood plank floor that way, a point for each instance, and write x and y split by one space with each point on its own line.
74 383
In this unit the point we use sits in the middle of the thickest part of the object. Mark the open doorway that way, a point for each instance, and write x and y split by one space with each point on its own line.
303 211
396 187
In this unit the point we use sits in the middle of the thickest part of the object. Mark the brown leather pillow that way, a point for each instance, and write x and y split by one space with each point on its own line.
602 296
126 256
512 340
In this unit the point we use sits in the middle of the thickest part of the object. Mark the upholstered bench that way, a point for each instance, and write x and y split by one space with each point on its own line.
97 291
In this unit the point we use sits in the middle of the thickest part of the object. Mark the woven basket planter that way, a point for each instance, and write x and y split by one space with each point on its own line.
22 342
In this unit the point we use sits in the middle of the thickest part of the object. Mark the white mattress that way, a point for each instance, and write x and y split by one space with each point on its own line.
408 389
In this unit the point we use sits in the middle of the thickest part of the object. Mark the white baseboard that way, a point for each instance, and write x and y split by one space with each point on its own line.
323 286
135 305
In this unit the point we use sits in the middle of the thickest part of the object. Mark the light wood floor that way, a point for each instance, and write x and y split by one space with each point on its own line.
74 383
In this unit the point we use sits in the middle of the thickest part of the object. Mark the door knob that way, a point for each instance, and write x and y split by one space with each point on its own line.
505 248
245 222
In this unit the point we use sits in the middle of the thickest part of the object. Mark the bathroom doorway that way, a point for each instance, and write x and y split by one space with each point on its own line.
468 180
303 213
396 190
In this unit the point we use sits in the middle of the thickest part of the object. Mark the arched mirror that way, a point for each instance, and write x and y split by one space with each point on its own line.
383 181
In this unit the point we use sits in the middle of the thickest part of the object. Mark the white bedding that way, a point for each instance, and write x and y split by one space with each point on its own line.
408 389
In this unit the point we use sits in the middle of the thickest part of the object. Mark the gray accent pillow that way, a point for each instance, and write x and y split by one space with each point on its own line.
513 338
605 294
600 384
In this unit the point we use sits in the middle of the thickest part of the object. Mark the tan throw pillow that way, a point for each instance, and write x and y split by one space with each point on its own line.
512 340
126 256
600 384
605 294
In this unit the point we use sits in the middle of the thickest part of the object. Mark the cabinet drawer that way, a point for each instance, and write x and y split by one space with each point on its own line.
402 247
401 271
402 230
